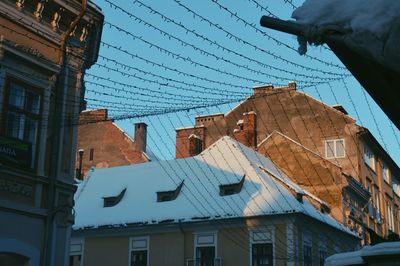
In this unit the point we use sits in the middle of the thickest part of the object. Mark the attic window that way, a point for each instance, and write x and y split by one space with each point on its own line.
112 201
169 195
230 189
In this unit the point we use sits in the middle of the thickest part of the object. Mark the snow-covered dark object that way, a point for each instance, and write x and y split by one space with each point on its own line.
370 27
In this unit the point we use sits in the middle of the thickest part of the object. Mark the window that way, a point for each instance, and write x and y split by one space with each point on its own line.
334 148
377 205
139 251
396 187
113 200
369 157
323 249
22 122
230 189
371 210
91 154
262 254
205 249
307 249
75 253
323 254
169 195
262 248
385 173
389 216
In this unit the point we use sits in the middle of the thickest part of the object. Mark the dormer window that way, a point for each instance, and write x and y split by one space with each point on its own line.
114 200
169 195
230 189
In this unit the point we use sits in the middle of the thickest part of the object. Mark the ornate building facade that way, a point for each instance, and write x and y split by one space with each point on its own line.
45 49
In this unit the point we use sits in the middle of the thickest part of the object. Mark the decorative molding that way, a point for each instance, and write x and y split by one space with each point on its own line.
17 188
39 9
20 4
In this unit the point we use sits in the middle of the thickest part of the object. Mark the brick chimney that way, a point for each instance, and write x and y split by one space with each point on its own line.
190 141
263 89
246 131
140 137
96 115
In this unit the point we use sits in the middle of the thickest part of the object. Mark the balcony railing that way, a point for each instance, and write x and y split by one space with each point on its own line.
204 262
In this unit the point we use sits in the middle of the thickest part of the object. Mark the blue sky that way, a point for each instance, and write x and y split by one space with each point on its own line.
159 49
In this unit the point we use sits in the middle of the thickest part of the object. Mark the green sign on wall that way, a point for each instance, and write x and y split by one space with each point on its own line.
15 151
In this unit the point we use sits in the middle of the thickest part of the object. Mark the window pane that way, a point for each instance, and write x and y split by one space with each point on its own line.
139 258
330 149
17 96
75 260
262 254
32 102
205 256
30 130
307 255
340 148
15 125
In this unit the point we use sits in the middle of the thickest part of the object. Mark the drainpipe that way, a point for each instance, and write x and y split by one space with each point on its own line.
49 231
80 164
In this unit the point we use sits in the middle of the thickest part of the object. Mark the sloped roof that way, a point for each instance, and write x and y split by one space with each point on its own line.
225 162
357 257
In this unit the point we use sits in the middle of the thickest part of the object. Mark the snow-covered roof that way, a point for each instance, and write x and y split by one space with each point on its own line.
369 26
225 162
356 257
151 155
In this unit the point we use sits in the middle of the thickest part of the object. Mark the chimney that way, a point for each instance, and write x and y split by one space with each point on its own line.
140 137
91 116
263 89
246 133
292 85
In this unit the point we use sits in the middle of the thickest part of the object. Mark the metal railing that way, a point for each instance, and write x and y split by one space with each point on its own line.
204 262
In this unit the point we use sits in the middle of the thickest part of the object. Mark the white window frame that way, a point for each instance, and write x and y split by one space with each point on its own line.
74 248
390 215
262 240
144 247
335 141
371 161
214 243
386 172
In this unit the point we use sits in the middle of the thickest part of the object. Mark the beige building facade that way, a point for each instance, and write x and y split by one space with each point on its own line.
291 240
